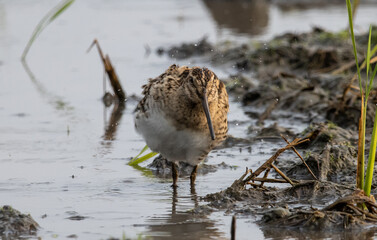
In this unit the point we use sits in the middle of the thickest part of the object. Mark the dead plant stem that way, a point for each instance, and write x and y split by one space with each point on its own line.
298 154
282 174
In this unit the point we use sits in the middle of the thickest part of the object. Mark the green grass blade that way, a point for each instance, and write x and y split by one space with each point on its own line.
46 20
374 50
362 149
372 156
141 152
61 9
349 8
142 159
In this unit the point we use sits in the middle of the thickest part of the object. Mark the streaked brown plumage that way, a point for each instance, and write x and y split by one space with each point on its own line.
172 115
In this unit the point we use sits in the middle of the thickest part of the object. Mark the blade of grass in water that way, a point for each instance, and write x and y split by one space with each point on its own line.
142 159
46 20
136 160
141 152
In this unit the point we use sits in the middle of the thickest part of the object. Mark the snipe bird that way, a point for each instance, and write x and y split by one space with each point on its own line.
183 115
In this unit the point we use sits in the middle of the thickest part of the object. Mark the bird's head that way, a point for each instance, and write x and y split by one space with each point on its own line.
200 88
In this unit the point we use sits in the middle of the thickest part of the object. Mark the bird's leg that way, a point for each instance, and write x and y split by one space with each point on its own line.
193 175
174 173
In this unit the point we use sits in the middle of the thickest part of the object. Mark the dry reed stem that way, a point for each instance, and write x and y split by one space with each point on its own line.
351 64
360 152
298 154
282 174
344 67
113 77
267 164
264 176
270 180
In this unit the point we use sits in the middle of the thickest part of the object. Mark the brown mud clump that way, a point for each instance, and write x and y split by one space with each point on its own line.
188 50
14 224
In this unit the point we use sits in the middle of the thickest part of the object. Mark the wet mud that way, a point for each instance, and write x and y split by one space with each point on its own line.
14 224
311 74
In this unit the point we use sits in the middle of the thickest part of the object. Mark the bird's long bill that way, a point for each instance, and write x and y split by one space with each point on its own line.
208 115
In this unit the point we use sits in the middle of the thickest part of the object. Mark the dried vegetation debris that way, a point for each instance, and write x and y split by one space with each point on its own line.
187 50
349 212
14 224
331 154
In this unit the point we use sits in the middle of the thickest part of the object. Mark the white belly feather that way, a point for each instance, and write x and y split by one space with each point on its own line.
161 136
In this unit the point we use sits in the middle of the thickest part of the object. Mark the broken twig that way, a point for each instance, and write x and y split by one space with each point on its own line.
113 77
264 176
270 180
272 159
294 149
282 174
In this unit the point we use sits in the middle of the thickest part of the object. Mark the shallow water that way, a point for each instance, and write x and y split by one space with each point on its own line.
54 161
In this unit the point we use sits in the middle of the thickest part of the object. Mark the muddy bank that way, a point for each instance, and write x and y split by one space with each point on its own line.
14 224
311 74
307 204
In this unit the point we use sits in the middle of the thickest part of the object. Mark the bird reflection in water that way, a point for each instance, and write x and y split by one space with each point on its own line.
111 126
241 16
182 224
